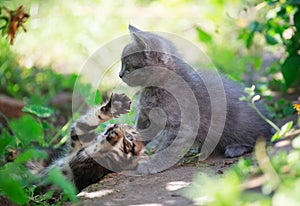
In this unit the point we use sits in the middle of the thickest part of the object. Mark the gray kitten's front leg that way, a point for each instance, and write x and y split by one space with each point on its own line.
172 138
159 161
142 121
146 166
150 166
151 124
175 144
142 124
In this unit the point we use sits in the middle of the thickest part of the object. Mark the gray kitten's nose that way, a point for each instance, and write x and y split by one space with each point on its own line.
121 74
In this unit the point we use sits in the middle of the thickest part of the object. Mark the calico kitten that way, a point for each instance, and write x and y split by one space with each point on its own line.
92 154
151 61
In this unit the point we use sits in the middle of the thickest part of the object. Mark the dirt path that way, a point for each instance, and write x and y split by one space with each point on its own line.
165 188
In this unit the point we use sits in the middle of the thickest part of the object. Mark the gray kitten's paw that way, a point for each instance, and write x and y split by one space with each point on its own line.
146 168
235 150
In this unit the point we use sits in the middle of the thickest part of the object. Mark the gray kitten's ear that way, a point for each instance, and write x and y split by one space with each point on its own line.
139 40
133 29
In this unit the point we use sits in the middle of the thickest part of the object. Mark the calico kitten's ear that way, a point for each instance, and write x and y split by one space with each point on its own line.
133 29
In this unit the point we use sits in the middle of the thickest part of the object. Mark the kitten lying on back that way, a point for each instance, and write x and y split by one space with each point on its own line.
151 61
92 154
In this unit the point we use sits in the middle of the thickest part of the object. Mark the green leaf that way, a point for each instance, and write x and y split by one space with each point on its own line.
283 130
249 36
5 140
271 2
3 22
27 129
291 69
17 171
276 136
56 177
12 189
286 127
202 35
38 110
31 154
47 196
257 61
98 97
254 26
297 20
271 40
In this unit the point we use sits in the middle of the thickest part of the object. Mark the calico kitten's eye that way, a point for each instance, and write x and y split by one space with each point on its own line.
129 137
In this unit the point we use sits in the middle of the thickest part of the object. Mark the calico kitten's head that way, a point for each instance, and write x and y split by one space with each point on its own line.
120 148
125 139
145 50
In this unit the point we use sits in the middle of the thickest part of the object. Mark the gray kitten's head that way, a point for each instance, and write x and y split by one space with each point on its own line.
145 50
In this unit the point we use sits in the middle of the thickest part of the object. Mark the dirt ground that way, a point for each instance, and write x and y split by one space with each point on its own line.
161 189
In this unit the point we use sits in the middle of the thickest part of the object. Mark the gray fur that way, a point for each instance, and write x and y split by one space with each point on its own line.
150 51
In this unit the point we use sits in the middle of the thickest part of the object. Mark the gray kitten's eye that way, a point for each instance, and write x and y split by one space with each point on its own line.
127 67
130 68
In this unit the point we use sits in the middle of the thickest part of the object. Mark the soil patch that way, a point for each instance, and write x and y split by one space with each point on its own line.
165 188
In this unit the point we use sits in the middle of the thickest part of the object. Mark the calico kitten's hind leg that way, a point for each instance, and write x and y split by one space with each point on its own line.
236 150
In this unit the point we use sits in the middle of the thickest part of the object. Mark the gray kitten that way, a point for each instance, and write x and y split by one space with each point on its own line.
179 107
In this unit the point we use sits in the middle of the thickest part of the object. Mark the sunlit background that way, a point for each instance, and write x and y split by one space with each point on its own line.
64 34
249 41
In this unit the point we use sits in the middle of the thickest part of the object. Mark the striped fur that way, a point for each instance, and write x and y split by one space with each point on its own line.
93 155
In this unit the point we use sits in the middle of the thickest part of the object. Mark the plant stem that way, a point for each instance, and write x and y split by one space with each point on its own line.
61 131
65 127
264 117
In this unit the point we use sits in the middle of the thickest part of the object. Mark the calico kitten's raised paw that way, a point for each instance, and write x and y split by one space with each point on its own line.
118 104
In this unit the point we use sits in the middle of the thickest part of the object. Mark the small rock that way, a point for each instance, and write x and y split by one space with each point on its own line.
11 107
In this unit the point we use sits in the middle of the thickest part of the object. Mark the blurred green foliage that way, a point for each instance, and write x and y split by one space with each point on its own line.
279 109
30 84
17 182
278 24
39 128
249 183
